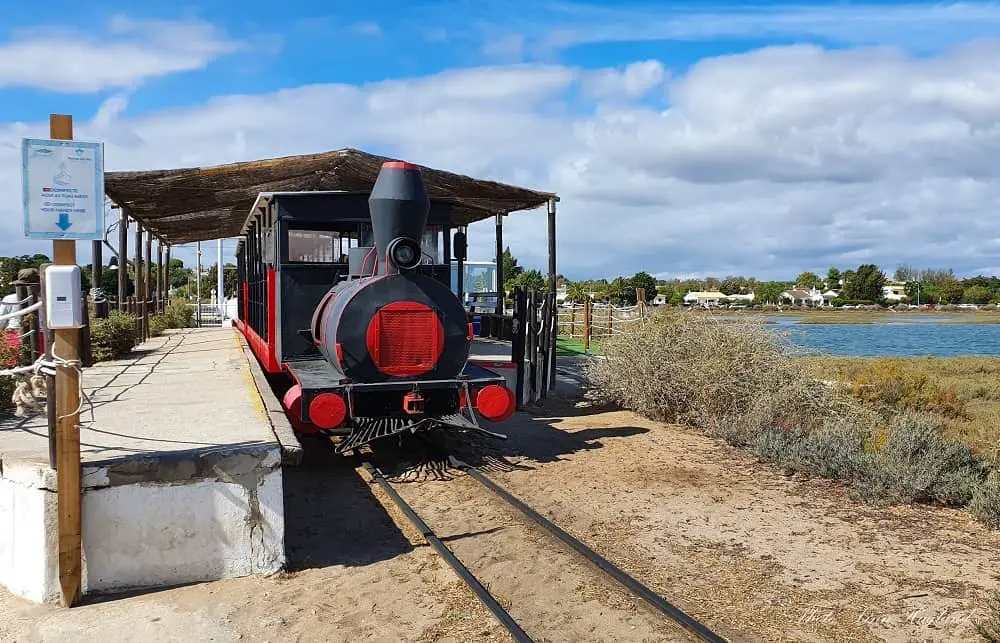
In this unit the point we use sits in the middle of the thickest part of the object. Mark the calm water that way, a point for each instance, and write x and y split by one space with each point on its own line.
910 338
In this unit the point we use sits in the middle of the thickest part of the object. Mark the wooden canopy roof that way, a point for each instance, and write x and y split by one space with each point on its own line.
201 204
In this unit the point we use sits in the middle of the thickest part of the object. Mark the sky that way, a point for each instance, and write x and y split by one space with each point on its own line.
685 140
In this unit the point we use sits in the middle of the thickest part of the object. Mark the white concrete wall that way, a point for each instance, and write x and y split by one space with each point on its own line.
144 535
28 540
137 536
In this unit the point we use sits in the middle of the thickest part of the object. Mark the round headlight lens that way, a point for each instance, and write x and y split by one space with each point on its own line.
405 253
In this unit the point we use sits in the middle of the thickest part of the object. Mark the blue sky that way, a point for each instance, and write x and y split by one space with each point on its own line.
167 84
321 42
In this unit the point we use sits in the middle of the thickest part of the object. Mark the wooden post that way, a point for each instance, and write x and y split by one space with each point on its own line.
166 278
519 341
548 340
67 399
586 325
97 277
499 267
148 278
140 308
123 260
197 276
551 356
611 317
159 276
531 342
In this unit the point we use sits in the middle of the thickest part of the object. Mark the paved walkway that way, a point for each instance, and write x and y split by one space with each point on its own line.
188 390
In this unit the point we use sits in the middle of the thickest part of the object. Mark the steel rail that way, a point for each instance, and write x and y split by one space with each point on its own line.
651 597
463 572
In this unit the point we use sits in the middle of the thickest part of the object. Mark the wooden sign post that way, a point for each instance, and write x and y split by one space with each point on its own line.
67 399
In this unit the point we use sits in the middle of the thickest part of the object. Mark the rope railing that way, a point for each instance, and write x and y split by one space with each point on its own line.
593 320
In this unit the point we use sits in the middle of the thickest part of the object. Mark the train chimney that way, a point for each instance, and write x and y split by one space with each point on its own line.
399 207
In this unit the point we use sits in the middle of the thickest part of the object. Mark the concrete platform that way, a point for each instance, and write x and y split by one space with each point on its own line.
181 474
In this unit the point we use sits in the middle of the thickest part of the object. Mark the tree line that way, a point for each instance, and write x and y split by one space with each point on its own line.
862 284
181 278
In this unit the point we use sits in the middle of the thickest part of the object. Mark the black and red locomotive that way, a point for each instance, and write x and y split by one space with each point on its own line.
346 301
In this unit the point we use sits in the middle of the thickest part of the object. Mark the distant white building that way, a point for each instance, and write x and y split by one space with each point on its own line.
746 299
703 297
894 291
803 297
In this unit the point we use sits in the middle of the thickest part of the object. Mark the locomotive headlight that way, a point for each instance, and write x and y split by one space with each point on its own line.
405 253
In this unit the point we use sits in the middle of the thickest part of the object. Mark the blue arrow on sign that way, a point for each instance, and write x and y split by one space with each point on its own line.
64 223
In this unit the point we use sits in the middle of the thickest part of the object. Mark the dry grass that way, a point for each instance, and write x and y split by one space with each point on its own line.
974 383
989 628
743 382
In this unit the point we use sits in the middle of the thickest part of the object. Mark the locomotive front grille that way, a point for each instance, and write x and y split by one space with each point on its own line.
405 338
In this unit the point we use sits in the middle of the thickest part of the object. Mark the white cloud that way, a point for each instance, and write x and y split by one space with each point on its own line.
632 82
367 28
767 163
131 51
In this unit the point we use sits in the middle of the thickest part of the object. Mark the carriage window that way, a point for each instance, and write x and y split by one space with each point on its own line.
431 245
314 246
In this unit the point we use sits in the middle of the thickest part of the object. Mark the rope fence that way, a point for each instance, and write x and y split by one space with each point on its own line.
592 320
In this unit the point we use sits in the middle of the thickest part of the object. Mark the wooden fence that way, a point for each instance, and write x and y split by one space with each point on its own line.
533 348
591 320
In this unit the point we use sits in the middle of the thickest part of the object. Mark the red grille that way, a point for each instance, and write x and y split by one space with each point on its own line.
405 338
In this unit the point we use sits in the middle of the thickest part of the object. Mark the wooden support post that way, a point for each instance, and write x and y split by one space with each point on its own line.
460 276
148 278
67 401
139 292
159 276
166 277
547 341
97 277
123 260
531 342
550 358
197 276
586 324
517 345
499 267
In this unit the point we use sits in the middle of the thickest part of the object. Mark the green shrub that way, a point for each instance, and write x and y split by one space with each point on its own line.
741 381
178 315
985 503
114 337
916 462
894 384
158 324
736 376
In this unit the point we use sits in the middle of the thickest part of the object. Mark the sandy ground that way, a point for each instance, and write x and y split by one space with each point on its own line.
755 554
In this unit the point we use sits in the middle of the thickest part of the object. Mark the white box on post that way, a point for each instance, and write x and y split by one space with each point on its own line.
63 297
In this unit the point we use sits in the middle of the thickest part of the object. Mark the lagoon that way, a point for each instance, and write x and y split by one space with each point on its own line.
916 338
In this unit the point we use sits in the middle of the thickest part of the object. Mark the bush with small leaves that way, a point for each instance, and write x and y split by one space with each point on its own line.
985 503
113 337
158 324
740 381
178 315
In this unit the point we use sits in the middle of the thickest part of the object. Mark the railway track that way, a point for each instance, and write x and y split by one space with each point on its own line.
656 601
